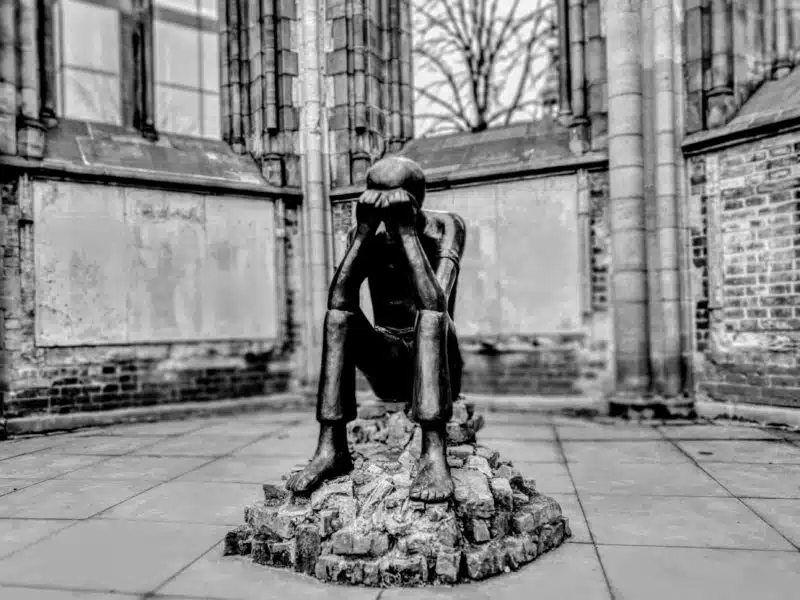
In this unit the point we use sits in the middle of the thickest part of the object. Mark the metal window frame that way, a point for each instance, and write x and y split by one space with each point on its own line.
136 75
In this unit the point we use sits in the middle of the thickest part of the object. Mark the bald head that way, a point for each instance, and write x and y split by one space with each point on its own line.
398 172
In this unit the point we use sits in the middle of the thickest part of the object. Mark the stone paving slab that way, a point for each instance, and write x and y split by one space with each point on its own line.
196 445
607 432
675 521
157 468
620 451
69 498
516 432
757 480
677 479
38 593
189 502
255 469
783 515
551 478
710 431
637 573
44 465
527 451
102 445
12 484
22 446
657 505
745 451
125 556
15 534
577 522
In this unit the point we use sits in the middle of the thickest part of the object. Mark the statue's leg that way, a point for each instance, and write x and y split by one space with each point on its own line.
433 402
437 363
336 397
345 328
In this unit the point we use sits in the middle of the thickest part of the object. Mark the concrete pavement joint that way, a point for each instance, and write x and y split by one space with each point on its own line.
560 447
742 502
172 577
56 588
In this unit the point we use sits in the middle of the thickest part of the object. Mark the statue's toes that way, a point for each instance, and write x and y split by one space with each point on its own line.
303 483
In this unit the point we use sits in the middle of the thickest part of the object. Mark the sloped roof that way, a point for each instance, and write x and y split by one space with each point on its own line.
520 146
112 148
775 105
774 96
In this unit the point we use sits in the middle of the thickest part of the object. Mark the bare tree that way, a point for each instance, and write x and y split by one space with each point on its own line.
481 63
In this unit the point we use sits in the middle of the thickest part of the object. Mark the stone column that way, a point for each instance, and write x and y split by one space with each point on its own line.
783 49
144 104
8 77
579 126
564 77
626 196
21 130
667 352
48 57
316 205
721 102
596 87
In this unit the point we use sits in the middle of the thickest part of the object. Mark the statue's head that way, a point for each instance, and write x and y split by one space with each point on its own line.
398 174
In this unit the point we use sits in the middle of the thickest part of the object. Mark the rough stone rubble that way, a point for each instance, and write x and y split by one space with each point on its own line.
362 528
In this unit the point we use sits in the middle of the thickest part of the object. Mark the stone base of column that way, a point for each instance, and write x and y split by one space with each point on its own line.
30 138
579 136
638 406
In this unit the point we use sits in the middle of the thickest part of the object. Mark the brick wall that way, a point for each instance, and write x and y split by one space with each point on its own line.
545 364
745 220
89 378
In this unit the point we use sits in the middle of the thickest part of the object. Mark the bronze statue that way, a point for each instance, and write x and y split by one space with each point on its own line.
410 258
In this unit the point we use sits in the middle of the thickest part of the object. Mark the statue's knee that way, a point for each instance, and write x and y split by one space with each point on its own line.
433 324
340 297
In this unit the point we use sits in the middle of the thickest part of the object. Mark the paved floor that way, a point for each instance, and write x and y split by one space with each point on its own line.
695 511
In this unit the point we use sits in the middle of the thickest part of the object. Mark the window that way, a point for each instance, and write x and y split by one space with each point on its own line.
88 61
116 58
187 67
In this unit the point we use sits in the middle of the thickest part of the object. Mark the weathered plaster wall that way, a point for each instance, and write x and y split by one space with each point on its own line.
532 299
117 297
745 217
126 265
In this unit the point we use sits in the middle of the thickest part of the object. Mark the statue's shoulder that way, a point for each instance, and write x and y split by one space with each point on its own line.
446 219
448 229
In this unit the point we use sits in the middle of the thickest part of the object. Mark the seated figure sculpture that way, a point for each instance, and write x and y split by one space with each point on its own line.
410 258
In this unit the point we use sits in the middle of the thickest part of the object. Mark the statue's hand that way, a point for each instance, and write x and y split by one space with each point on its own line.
401 215
368 215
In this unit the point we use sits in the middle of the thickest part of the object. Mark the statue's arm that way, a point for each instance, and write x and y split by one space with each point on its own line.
353 269
431 293
451 250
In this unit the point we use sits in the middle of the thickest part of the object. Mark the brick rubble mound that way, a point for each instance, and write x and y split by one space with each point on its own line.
362 529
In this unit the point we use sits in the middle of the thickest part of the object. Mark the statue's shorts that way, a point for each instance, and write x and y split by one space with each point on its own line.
420 365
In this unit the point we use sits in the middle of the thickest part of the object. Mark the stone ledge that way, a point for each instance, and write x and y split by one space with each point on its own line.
764 415
541 404
77 420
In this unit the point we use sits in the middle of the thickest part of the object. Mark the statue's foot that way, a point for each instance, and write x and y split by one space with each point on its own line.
433 483
322 466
